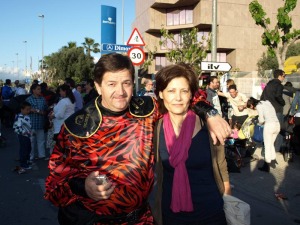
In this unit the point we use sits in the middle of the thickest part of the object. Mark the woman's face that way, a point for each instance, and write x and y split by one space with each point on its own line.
62 93
176 96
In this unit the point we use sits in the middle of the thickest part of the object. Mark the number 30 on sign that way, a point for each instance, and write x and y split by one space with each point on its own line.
136 55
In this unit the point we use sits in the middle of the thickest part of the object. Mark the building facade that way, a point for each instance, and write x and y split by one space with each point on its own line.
238 37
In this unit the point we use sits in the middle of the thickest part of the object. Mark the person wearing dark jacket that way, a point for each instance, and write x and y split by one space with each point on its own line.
273 93
91 92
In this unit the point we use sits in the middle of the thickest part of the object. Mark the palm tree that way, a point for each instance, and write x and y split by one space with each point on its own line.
90 46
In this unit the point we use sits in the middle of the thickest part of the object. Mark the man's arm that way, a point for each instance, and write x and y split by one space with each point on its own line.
218 127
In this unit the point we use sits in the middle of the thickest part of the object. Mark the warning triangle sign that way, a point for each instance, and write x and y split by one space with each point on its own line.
135 39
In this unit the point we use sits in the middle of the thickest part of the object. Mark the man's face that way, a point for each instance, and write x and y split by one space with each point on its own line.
282 77
116 90
233 93
37 91
214 84
149 86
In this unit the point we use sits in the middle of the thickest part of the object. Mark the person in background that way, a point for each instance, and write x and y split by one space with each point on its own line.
273 93
238 101
186 199
37 118
235 130
21 89
15 87
212 93
91 92
288 98
78 98
147 90
295 111
267 117
22 127
63 109
7 94
101 139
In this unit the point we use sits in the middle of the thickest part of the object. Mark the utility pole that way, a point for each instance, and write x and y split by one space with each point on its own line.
25 57
42 68
214 34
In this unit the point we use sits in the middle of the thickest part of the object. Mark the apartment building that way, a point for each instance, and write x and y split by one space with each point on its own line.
238 37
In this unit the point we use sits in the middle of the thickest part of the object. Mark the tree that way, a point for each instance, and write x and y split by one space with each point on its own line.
90 46
186 48
269 62
281 36
69 62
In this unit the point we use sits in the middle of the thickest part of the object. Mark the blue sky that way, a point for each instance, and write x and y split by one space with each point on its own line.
64 21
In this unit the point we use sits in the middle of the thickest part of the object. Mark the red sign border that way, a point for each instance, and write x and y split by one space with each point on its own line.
143 55
135 29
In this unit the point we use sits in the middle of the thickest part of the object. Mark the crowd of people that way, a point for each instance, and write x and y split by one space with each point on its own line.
120 158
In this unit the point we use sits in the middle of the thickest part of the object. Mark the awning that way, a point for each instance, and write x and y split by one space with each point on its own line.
292 64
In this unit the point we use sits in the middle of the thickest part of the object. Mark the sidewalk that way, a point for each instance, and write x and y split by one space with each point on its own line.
260 187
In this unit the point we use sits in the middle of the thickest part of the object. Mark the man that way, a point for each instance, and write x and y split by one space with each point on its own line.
212 94
273 93
77 95
37 118
238 103
7 94
90 90
148 88
112 137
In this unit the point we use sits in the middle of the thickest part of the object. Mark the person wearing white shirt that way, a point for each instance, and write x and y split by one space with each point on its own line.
267 117
78 98
63 109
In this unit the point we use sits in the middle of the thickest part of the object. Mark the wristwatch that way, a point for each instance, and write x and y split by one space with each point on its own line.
211 113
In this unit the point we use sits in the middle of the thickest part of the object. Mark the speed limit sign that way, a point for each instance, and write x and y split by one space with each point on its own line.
137 55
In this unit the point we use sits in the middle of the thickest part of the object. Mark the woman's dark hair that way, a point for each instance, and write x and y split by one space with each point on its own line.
168 73
69 93
112 63
252 101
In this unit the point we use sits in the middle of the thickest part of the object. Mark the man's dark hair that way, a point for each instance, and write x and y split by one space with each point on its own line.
34 86
69 81
7 81
278 73
24 104
211 78
233 86
113 62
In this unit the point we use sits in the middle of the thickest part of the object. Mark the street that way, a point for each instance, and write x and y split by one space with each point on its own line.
22 202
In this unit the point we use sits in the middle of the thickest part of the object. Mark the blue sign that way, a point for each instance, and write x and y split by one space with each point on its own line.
115 48
108 24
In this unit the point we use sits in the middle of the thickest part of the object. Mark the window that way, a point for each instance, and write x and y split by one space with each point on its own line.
160 62
179 16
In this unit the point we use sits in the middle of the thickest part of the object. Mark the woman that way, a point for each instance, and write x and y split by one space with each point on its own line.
63 109
194 178
267 117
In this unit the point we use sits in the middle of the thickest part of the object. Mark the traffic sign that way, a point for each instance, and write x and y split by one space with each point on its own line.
114 47
135 39
215 66
137 56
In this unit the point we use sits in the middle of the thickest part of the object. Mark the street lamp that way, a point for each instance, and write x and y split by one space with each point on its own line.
17 54
25 57
42 16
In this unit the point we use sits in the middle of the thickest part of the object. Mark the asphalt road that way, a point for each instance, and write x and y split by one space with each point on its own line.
22 202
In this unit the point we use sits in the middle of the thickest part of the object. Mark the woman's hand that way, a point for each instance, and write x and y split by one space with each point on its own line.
219 129
97 192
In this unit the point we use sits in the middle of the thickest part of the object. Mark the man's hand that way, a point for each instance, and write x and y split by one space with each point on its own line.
218 128
97 192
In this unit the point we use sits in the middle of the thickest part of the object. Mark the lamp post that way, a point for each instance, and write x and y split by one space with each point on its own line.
25 57
17 54
42 74
123 22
